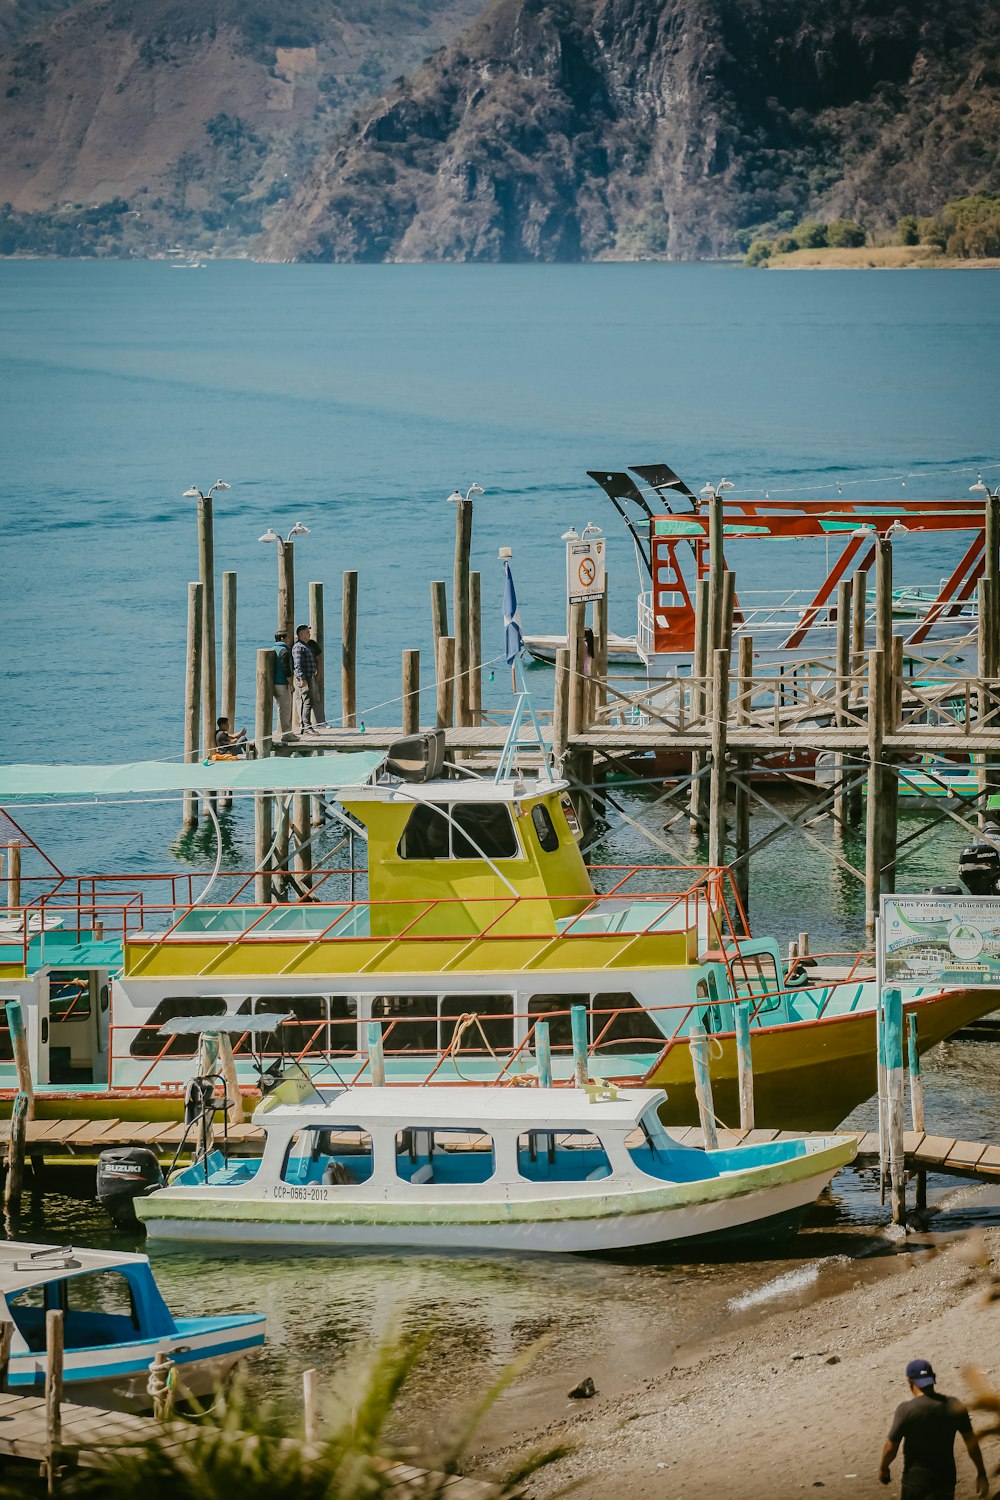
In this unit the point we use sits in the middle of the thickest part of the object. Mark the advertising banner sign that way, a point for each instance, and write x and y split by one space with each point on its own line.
953 940
585 570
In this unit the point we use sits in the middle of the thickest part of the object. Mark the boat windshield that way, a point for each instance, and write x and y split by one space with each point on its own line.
99 1309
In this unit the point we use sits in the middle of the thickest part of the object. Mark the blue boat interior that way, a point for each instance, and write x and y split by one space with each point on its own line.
120 1305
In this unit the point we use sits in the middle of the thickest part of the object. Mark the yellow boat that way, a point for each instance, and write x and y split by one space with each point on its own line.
480 919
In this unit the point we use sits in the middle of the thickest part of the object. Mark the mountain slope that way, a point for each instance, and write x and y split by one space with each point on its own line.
567 129
200 113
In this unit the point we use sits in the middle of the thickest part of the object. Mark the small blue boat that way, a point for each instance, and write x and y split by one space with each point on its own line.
115 1324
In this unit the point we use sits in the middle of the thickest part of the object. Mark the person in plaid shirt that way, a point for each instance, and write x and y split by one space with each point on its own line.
303 671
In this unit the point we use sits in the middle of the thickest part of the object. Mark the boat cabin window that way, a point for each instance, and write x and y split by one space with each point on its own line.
319 1023
470 827
649 1144
547 1008
621 1024
69 997
561 1156
415 1018
98 1307
545 828
148 1042
756 975
496 1018
459 1155
6 1045
320 1156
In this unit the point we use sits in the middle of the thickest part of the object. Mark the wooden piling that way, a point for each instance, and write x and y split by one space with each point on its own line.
716 569
728 608
302 831
600 697
444 671
6 1339
717 786
310 1407
54 1333
475 648
578 1026
411 692
439 611
577 681
229 648
916 1099
560 710
317 632
282 831
744 1065
876 786
892 1004
263 739
700 795
841 765
883 596
15 1154
460 594
192 696
376 1054
698 1042
741 828
543 1054
14 875
22 1060
206 571
349 652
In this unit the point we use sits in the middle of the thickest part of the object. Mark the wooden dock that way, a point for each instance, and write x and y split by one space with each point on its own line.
924 1153
88 1432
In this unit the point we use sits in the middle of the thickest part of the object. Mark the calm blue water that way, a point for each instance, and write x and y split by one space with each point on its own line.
355 400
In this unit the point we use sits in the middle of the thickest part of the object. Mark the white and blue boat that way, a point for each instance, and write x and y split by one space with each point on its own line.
483 1168
115 1323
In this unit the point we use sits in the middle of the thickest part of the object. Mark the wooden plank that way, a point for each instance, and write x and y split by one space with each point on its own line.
990 1161
93 1132
965 1154
934 1150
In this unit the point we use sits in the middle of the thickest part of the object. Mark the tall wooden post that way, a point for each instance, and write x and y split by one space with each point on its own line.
716 569
317 633
301 828
699 697
698 1043
916 1098
349 652
841 764
286 589
744 762
578 683
463 554
560 710
744 1064
439 611
15 1153
601 648
22 1060
728 608
14 875
475 648
54 1344
876 786
892 1061
883 596
229 647
192 695
720 719
411 692
206 570
263 733
444 671
859 610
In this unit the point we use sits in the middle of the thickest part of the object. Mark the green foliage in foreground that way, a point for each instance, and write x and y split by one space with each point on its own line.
243 1451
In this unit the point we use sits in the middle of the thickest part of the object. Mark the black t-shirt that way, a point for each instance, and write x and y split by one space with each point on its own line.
928 1426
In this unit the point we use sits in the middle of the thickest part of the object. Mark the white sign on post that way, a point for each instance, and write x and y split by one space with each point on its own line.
585 570
947 940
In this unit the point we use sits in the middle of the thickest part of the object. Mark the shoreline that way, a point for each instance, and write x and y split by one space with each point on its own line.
807 1391
876 258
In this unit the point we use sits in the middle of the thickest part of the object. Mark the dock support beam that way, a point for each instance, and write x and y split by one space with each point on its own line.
349 652
543 1054
560 710
578 1024
717 786
463 555
206 570
444 671
700 795
317 632
916 1100
892 1062
376 1054
192 696
876 787
262 802
744 1066
698 1042
411 692
475 648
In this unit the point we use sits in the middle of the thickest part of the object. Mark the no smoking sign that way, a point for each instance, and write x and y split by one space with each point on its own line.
585 570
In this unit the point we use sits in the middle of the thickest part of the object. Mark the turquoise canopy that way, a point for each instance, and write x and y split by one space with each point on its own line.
313 773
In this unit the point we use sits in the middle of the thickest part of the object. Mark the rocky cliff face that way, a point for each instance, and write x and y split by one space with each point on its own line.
569 129
200 113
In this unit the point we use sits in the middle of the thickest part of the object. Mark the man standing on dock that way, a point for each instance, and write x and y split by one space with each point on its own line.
927 1427
304 665
283 681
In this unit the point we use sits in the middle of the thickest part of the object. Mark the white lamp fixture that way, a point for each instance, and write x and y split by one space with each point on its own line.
590 530
863 531
194 493
572 535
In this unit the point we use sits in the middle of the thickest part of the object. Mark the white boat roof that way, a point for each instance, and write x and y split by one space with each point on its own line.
471 1105
462 789
18 1269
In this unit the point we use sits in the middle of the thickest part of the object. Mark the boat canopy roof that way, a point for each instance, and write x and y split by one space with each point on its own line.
25 1265
457 789
472 1106
313 773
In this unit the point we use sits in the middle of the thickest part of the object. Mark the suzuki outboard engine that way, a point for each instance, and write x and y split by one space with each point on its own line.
979 863
127 1173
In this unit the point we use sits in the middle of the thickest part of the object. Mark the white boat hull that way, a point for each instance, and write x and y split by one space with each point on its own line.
761 1211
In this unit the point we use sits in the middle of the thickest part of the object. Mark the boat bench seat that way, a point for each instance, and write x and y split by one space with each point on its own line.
424 1173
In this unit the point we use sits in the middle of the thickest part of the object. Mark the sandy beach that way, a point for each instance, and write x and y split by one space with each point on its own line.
798 1399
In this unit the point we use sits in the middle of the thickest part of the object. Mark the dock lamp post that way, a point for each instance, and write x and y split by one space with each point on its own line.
206 572
286 575
464 664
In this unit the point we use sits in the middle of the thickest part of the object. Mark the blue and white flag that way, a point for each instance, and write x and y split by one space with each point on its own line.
512 638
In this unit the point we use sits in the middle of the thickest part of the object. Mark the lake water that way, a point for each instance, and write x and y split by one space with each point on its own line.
354 400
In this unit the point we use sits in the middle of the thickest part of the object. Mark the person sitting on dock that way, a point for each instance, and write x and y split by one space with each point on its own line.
927 1427
283 681
232 745
304 666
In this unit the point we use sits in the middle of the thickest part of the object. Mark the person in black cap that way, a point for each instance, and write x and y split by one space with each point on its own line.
926 1427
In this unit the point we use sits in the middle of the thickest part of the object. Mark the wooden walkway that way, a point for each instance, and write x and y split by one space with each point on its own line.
89 1431
924 1153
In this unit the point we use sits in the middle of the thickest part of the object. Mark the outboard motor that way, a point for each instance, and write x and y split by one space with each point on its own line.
979 863
127 1173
